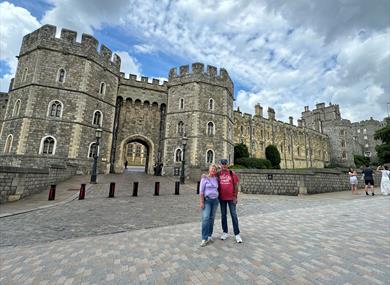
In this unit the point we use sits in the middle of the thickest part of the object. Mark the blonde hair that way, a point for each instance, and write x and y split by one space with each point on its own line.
211 165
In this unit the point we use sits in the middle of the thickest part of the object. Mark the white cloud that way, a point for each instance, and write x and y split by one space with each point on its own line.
129 64
15 22
287 54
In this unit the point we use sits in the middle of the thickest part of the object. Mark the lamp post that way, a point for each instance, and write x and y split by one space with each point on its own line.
98 134
183 162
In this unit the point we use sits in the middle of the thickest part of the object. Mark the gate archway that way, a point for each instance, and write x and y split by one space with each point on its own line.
146 155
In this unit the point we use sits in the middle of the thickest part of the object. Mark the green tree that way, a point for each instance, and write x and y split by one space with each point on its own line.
240 150
383 150
360 160
273 155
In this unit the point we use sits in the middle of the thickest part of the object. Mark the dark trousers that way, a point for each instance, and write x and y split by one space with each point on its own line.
233 214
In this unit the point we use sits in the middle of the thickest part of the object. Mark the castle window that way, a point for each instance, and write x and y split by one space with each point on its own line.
211 104
343 143
61 75
298 150
55 109
358 131
289 149
365 137
342 132
138 151
210 156
24 75
97 118
92 150
180 128
366 145
344 155
281 148
261 133
178 155
254 146
210 129
8 144
364 131
48 145
102 89
16 109
181 104
241 130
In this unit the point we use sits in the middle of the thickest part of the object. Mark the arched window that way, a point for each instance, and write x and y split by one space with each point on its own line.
92 149
211 104
180 128
241 130
48 145
210 129
24 75
16 109
55 109
102 89
97 118
299 151
181 104
178 155
210 156
61 75
8 144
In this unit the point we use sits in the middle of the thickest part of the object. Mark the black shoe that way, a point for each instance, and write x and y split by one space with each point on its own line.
373 194
367 193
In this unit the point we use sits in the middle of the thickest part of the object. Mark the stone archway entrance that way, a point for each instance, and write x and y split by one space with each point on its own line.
138 150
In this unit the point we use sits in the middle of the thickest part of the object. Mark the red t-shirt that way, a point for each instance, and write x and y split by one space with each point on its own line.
226 191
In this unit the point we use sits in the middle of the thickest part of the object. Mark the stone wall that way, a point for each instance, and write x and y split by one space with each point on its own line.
290 182
16 182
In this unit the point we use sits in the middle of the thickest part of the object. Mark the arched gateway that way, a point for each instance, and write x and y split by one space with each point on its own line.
148 152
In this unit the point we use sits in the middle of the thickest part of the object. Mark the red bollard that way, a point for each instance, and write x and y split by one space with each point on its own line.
112 190
198 187
135 189
157 189
52 192
82 192
177 187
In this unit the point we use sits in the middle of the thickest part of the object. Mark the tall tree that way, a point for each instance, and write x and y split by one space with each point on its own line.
383 150
273 155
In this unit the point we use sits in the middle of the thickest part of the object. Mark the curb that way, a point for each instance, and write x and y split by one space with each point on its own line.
70 199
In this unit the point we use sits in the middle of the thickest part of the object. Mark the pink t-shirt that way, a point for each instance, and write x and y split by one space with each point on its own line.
226 185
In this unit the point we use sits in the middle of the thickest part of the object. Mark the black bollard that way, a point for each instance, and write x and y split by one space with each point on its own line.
198 187
177 187
111 193
135 189
52 192
157 189
82 192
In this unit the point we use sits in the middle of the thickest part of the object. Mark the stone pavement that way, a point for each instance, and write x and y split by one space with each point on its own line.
333 238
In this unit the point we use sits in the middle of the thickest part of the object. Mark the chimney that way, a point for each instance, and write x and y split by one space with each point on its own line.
299 123
271 114
258 110
291 120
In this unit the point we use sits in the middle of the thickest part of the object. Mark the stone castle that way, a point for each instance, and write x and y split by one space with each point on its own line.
64 90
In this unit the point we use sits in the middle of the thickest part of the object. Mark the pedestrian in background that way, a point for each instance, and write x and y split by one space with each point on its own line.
385 181
208 193
368 179
353 180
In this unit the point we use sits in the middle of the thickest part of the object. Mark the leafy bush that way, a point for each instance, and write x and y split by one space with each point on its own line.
273 155
383 150
240 150
237 166
257 163
360 160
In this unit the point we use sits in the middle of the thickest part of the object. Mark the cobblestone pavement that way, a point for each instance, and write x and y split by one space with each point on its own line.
333 238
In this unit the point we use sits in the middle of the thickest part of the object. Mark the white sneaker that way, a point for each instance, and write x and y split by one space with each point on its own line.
210 239
224 236
203 243
238 239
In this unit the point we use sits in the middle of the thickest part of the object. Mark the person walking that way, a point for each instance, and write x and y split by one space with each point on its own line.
353 180
368 179
228 190
385 181
126 163
208 193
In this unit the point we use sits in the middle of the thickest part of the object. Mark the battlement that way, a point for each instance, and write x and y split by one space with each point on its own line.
198 73
45 37
143 82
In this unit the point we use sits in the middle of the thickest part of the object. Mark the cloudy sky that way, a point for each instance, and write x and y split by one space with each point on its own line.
279 53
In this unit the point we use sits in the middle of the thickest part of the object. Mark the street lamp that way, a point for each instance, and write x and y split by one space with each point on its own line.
183 162
98 134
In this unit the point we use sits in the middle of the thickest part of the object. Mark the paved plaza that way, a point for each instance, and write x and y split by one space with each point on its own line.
333 238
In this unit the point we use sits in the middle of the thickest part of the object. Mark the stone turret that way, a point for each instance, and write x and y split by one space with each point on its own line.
258 110
271 114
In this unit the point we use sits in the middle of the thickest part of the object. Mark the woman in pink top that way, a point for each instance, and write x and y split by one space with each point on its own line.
208 193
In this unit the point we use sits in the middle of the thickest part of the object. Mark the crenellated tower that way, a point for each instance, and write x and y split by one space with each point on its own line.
63 90
200 106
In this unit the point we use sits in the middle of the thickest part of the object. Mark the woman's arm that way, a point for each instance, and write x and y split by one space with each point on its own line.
202 189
